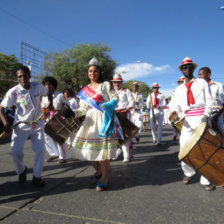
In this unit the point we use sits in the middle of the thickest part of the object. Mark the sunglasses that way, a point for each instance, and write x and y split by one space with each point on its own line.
184 67
117 82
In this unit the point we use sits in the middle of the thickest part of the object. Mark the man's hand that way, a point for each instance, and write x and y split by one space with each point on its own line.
204 119
128 108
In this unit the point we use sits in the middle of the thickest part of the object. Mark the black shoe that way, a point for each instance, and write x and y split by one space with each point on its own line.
22 176
137 139
38 182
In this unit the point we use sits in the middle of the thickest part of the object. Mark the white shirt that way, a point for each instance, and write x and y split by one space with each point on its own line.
217 92
58 99
27 103
72 103
201 94
125 99
139 99
161 100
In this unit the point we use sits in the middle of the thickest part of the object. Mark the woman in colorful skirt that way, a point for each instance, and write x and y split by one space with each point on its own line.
96 140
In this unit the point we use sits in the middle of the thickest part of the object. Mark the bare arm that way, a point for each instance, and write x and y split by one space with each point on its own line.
4 120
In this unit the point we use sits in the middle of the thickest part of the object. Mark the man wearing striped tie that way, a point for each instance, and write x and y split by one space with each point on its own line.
194 99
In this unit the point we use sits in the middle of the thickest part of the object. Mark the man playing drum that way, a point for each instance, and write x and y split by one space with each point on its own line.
158 103
194 99
217 92
136 112
125 103
53 148
27 123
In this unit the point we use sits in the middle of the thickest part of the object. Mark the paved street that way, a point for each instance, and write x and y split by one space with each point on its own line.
149 189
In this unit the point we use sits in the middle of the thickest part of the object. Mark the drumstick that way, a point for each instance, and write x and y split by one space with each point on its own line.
152 107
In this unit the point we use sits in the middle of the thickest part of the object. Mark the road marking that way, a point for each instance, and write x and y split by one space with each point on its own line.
63 214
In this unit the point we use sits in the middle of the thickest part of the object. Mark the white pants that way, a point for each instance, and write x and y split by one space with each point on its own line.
159 121
189 126
18 139
137 120
166 116
53 148
126 151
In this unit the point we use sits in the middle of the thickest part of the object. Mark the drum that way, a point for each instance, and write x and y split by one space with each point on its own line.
178 125
60 128
128 128
204 151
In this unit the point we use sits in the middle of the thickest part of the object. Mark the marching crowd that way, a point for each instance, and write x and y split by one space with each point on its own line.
194 101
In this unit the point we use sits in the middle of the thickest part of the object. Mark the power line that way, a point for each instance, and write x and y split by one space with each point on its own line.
34 27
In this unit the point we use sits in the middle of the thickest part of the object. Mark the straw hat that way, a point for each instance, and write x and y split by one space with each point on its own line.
155 85
186 61
117 78
135 84
181 79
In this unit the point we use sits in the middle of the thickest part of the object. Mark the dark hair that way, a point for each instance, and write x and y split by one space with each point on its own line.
70 92
100 79
25 69
51 80
206 70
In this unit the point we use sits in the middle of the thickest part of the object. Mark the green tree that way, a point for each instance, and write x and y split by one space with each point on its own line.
143 87
70 66
8 66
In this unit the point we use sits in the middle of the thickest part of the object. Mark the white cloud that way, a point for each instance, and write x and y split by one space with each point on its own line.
167 92
137 70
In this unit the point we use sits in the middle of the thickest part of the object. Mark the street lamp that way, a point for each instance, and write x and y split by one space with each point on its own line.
222 7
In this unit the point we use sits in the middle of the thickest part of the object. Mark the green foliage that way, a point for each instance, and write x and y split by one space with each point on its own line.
143 87
70 66
8 66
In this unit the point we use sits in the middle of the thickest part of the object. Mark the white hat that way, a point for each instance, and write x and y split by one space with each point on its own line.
135 83
181 79
93 62
117 78
187 60
155 85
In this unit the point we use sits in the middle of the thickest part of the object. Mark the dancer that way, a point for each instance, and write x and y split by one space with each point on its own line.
27 123
194 99
96 140
54 149
157 104
126 102
136 112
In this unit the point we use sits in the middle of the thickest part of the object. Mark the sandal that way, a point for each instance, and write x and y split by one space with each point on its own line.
101 187
187 180
93 179
209 187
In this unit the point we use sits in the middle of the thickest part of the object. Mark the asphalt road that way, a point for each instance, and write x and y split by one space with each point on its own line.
149 189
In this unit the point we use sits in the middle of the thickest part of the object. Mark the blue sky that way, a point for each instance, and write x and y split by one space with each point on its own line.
149 38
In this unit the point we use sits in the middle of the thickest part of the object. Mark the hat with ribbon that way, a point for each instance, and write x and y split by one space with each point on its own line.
135 84
181 79
186 61
117 78
155 85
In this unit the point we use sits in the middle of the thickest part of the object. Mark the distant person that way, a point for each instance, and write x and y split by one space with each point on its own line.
136 112
180 81
217 92
157 106
71 101
26 98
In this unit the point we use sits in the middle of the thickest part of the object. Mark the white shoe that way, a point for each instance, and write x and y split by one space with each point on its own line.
126 161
